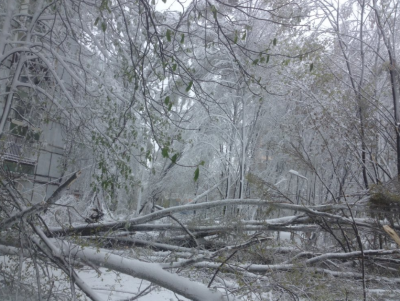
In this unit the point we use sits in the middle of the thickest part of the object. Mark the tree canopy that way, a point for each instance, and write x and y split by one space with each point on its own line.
251 146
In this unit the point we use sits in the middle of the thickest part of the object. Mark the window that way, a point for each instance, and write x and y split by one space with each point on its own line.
19 167
22 110
19 128
13 155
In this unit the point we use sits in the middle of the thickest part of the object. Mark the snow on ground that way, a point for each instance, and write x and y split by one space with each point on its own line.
109 285
112 286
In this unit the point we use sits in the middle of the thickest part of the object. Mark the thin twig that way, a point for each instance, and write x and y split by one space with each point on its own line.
219 268
186 230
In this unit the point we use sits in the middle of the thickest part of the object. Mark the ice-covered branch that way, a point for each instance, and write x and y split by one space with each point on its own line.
318 211
24 214
149 271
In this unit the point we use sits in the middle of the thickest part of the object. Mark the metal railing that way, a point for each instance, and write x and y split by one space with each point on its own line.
14 148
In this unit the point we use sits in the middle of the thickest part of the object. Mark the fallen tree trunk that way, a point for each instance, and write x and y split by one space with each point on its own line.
129 225
148 271
152 272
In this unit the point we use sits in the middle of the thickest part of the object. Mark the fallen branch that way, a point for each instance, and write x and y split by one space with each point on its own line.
392 234
148 271
25 213
318 211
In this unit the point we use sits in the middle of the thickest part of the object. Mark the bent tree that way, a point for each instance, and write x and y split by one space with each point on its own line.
201 134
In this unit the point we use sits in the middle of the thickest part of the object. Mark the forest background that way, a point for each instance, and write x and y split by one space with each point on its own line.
250 146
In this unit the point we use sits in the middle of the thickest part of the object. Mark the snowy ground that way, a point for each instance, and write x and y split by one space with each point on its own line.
108 284
112 286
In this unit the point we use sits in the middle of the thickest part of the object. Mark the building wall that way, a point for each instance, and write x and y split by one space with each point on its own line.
32 147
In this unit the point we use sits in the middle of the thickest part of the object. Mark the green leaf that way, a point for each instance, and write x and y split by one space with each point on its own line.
311 67
174 158
202 163
255 62
182 38
170 106
244 35
97 21
236 38
164 152
169 35
274 41
174 67
166 101
104 26
104 5
23 94
267 59
189 86
214 11
165 1
196 174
